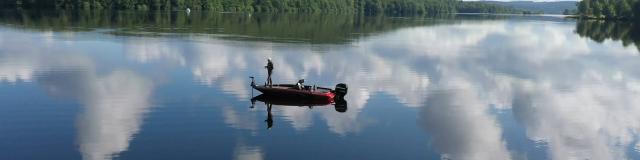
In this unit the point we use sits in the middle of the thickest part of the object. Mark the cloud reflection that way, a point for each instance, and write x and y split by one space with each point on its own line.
114 101
224 64
564 89
460 127
240 120
145 51
244 152
115 106
577 96
570 92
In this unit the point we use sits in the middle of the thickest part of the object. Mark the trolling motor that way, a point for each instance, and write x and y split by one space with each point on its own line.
253 81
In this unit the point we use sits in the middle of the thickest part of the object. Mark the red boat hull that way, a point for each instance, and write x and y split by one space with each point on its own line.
286 90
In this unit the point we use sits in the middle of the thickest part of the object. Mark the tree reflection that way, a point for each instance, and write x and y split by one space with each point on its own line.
599 31
314 28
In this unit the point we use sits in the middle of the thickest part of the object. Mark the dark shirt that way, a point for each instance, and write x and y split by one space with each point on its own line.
269 66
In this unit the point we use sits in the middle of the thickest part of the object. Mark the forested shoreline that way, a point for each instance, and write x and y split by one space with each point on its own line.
334 6
610 9
315 28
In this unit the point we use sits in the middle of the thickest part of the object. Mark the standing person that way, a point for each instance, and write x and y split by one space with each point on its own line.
269 116
269 71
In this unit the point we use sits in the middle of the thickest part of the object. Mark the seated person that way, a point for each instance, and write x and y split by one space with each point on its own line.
300 84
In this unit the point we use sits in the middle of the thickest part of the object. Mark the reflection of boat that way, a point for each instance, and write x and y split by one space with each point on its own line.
284 101
340 104
306 92
269 100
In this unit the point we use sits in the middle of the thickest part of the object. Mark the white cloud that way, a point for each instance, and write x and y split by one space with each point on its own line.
250 119
243 152
115 105
460 126
148 50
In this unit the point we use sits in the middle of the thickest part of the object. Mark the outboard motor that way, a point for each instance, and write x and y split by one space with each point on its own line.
341 105
341 90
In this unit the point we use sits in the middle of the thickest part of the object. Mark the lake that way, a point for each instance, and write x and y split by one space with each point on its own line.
171 85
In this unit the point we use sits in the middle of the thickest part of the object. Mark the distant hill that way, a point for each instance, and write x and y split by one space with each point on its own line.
547 7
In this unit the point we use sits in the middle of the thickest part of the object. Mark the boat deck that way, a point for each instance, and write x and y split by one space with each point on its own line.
293 87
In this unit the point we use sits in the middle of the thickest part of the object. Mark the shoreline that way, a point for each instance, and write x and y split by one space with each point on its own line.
597 18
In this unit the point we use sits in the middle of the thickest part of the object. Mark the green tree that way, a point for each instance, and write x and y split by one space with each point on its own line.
636 10
624 8
370 7
609 10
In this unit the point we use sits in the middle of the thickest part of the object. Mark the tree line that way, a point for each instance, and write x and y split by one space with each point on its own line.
609 9
335 28
370 7
599 31
480 7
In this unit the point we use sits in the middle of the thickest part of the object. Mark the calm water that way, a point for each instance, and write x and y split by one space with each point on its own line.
127 85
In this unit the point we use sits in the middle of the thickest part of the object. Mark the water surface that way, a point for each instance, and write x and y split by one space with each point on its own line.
167 85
